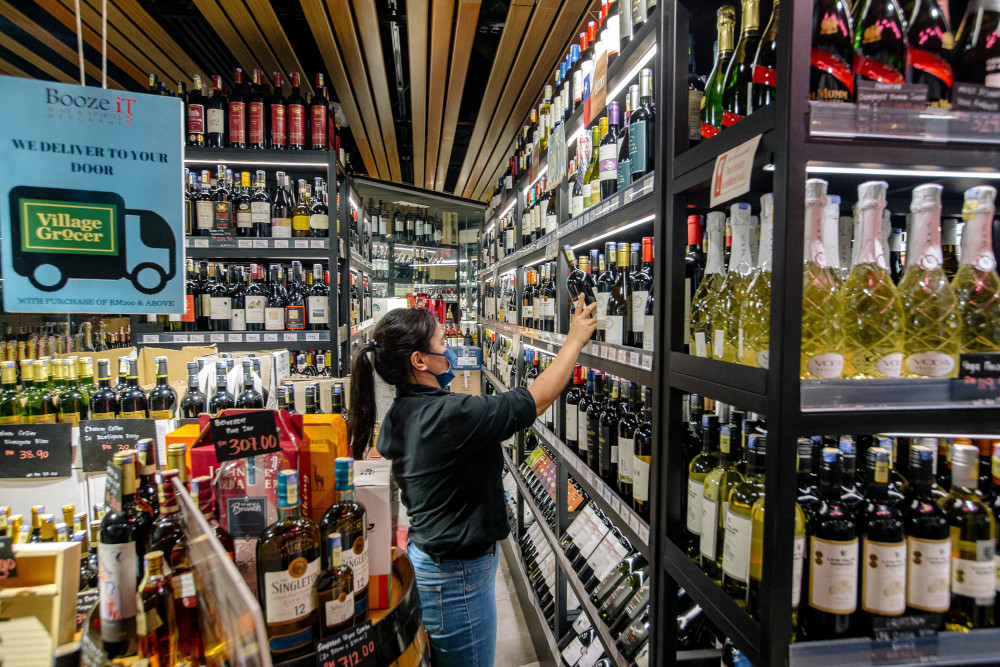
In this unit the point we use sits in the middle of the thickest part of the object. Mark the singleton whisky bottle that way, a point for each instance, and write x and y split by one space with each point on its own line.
288 563
154 622
738 521
736 97
335 591
883 547
931 45
712 107
880 42
928 545
349 518
832 559
118 553
973 543
832 53
725 310
930 307
698 469
977 284
822 308
873 311
755 313
709 288
714 503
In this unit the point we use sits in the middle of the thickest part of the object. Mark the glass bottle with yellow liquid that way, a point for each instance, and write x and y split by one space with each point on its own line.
930 307
40 407
873 311
698 469
822 308
725 311
11 410
715 505
709 287
831 233
738 522
755 315
977 284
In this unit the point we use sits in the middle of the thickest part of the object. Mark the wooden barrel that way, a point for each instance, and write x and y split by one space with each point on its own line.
400 637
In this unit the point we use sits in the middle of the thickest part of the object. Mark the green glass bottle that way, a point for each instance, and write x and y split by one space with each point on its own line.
698 469
11 411
736 96
738 524
718 485
40 408
976 283
73 403
712 107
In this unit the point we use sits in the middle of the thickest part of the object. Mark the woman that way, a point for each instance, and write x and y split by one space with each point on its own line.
445 453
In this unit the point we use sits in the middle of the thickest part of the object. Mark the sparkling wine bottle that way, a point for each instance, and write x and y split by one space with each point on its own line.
832 53
977 284
880 43
822 307
977 48
931 45
725 311
755 313
708 289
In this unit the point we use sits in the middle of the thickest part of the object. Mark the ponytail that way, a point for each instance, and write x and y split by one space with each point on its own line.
397 336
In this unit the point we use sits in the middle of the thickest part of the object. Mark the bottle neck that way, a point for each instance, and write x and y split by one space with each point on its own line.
741 259
977 242
815 250
345 495
829 484
924 240
289 512
870 249
715 262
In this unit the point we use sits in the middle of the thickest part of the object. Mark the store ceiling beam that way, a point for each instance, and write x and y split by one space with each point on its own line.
542 18
248 31
127 30
32 58
510 38
11 70
322 32
347 39
228 34
570 16
416 38
65 16
134 11
263 12
465 31
371 40
52 42
442 13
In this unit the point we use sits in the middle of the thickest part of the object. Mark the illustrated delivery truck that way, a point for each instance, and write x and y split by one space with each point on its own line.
58 234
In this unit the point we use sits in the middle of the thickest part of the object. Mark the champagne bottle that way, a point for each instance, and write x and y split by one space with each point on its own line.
832 53
932 341
765 63
755 312
712 106
725 313
977 47
931 45
822 307
880 42
873 322
708 289
977 284
736 97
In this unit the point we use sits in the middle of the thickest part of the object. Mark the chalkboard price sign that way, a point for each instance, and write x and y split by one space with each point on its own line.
353 647
246 517
246 434
32 451
8 565
101 438
978 378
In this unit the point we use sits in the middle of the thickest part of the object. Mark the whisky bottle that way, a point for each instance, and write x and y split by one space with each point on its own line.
698 469
288 563
755 313
155 626
977 284
873 311
931 325
822 307
718 485
335 591
738 522
832 559
725 310
883 546
973 543
349 518
709 287
118 553
928 561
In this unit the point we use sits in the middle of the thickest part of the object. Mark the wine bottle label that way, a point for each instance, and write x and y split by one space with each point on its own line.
339 610
639 310
161 414
216 121
255 309
647 333
288 594
572 653
593 537
318 310
718 343
695 100
188 315
281 228
238 319
993 72
974 578
527 312
255 122
607 161
260 212
637 147
581 623
709 526
602 310
591 654
132 414
696 493
296 124
274 319
117 585
205 214
295 317
624 173
237 123
928 574
833 575
876 70
581 416
829 365
551 223
930 364
244 217
626 454
580 523
765 76
736 547
71 418
279 122
196 119
891 365
220 308
834 65
223 214
50 418
883 579
614 329
642 658
798 556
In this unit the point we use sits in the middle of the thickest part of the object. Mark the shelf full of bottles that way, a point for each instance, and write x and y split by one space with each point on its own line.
789 336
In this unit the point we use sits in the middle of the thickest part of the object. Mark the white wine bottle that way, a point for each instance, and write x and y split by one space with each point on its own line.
755 315
831 235
725 312
977 284
821 353
873 311
709 287
930 306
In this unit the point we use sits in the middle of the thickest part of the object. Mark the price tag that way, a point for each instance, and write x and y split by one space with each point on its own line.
200 243
647 362
317 243
354 647
244 243
312 336
622 356
180 338
150 338
247 434
633 523
978 378
289 337
217 338
301 243
606 352
616 506
270 338
606 494
101 438
189 242
113 487
8 564
196 338
633 359
278 243
644 534
31 451
235 338
261 243
251 338
246 517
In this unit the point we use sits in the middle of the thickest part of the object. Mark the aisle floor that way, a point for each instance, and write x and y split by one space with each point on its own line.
514 647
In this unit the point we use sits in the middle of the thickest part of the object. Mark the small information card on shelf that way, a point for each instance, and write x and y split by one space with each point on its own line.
978 379
354 647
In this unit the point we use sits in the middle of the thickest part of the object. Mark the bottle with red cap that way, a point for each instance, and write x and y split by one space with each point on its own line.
256 125
296 116
317 116
277 114
642 284
237 112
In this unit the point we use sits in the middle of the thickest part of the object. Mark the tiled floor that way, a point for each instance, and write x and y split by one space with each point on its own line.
514 648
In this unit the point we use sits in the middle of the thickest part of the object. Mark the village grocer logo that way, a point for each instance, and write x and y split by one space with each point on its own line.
68 227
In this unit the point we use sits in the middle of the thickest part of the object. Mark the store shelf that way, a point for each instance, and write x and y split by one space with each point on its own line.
360 263
930 127
244 340
537 623
545 247
622 361
432 248
305 159
695 165
735 384
607 641
257 248
359 330
495 381
622 209
976 647
633 527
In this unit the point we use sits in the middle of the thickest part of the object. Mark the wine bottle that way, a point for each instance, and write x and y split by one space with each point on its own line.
591 183
928 543
216 116
698 469
738 524
977 47
932 341
643 456
708 289
880 48
223 399
618 319
608 153
737 95
718 485
118 553
277 116
712 105
297 116
873 322
317 116
755 311
976 283
578 281
883 547
765 63
831 57
931 44
725 310
696 96
641 134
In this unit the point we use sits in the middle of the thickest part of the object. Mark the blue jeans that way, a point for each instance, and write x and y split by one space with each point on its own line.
458 603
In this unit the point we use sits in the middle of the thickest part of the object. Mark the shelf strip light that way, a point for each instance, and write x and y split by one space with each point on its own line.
544 171
617 230
923 173
507 210
451 263
250 163
634 72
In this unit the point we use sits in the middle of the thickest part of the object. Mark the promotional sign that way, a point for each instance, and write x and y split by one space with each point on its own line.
100 439
354 647
91 199
731 177
246 434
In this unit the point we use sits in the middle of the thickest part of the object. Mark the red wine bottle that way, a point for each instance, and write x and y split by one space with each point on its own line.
296 116
880 43
256 125
977 52
931 44
237 112
277 116
578 281
830 77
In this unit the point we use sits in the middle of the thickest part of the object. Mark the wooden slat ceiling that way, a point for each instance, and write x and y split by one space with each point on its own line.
472 69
